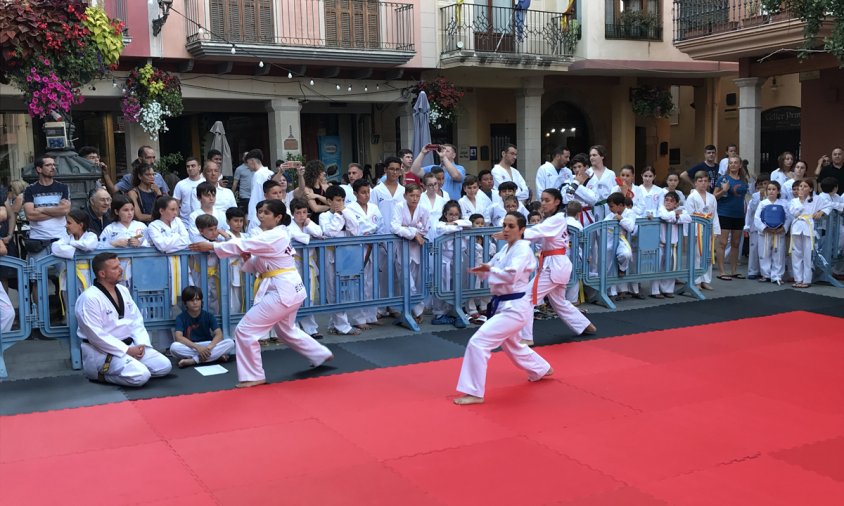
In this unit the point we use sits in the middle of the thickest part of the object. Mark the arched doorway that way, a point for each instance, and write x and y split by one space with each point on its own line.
563 124
780 132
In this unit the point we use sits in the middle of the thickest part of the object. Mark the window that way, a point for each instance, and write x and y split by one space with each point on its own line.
243 20
633 20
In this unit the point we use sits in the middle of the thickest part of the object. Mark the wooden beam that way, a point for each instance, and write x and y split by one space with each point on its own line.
792 65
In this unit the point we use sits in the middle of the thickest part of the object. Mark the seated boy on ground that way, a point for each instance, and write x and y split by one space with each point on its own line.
198 337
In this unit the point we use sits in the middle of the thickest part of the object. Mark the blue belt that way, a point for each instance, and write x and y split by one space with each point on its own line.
496 299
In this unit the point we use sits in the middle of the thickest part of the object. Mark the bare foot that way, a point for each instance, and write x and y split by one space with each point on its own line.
329 359
186 362
363 326
247 384
468 399
549 373
224 358
588 331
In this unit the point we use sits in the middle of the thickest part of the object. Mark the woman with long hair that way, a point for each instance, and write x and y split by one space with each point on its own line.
280 292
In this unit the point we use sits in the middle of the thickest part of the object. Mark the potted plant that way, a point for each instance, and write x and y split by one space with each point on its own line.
651 102
443 98
571 36
151 95
52 48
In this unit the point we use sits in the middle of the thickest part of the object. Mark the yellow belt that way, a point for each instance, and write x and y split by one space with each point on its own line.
176 279
269 274
810 220
83 281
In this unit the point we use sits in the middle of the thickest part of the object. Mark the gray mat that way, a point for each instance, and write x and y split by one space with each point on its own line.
47 394
395 351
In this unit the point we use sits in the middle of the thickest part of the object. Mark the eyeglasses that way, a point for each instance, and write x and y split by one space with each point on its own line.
431 185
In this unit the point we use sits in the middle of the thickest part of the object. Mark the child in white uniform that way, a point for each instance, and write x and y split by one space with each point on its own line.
449 223
411 221
338 221
703 204
771 242
804 209
303 229
555 267
77 239
369 221
674 220
126 232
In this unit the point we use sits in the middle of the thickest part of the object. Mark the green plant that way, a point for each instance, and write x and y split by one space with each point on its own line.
815 13
64 38
443 98
165 162
652 102
295 157
151 96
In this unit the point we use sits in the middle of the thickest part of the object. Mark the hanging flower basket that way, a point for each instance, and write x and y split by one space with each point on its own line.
151 96
652 102
52 48
443 98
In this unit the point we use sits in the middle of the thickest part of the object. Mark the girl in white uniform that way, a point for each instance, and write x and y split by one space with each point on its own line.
508 273
126 232
303 229
169 235
805 209
555 267
601 181
771 242
280 293
449 223
648 197
77 238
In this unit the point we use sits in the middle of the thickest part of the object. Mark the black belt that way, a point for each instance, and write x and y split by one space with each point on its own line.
128 341
496 299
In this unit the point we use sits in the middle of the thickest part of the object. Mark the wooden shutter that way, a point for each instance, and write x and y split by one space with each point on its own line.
351 23
218 17
266 32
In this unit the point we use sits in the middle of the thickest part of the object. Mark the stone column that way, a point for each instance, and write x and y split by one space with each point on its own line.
135 138
529 129
704 120
623 148
284 127
750 120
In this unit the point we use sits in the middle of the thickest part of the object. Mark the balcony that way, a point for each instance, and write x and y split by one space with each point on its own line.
355 31
480 32
628 32
733 29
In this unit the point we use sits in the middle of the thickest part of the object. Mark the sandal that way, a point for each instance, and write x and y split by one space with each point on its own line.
725 277
737 276
317 335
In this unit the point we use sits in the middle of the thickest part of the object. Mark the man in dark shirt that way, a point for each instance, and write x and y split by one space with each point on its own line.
833 167
99 211
708 165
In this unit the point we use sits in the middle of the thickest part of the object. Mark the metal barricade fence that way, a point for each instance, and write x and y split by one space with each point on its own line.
352 260
156 280
829 252
655 257
656 254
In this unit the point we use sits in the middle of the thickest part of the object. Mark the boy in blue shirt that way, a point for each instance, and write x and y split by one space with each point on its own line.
198 337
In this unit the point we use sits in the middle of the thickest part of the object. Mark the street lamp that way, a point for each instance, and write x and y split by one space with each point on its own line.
158 22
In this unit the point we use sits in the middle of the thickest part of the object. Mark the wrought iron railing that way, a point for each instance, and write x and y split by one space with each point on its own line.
332 24
484 29
699 18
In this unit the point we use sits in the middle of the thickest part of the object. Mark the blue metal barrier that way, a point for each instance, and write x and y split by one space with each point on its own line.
829 251
25 315
690 258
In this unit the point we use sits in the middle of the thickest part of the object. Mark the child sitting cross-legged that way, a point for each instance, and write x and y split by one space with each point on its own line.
198 337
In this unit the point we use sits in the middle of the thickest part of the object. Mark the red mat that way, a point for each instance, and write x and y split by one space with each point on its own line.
742 412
